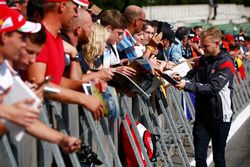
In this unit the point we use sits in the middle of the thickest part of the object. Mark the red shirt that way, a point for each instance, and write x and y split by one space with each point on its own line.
52 55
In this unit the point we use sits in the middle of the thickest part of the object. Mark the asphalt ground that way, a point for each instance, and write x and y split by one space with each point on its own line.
238 147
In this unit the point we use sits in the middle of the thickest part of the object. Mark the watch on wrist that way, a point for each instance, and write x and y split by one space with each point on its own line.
76 58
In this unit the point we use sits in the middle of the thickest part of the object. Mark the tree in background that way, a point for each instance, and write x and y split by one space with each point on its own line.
121 4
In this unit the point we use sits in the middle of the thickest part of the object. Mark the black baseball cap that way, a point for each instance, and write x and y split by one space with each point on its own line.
167 33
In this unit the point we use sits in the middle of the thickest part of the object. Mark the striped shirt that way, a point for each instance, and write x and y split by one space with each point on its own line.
126 46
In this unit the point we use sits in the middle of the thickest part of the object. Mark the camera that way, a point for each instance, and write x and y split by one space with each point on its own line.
87 156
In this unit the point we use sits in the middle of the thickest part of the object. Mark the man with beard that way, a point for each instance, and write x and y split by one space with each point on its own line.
59 14
78 35
135 17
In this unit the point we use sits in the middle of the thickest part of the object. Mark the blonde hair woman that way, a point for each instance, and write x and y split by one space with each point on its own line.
97 43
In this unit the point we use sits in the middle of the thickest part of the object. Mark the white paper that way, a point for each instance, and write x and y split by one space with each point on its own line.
182 69
19 91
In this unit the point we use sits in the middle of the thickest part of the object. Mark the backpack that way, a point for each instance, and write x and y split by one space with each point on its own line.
148 139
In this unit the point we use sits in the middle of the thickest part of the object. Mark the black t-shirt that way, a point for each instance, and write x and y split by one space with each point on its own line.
83 63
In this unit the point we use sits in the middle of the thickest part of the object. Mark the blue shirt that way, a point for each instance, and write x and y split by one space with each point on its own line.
174 52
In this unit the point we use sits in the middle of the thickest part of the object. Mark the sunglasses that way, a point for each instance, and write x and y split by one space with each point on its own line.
78 6
143 20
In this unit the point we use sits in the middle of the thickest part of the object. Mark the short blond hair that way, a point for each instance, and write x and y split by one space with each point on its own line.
97 39
213 32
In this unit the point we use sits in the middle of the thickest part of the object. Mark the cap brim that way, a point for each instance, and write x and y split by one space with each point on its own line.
30 27
81 3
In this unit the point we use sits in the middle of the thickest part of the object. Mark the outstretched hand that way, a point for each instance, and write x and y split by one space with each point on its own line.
105 74
94 105
180 85
126 70
70 144
176 76
155 40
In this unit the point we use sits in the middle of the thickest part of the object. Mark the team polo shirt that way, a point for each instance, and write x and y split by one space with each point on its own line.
52 55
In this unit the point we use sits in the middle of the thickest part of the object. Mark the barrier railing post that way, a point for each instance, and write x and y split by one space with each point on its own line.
92 125
70 114
235 105
182 118
74 160
173 130
110 142
7 152
238 93
244 87
103 128
54 148
243 90
125 109
149 114
237 98
45 154
84 128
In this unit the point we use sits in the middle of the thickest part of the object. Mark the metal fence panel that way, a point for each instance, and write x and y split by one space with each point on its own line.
168 120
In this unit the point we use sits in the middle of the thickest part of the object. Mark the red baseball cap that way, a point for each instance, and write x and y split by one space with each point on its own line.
12 20
2 2
196 39
79 2
82 2
229 37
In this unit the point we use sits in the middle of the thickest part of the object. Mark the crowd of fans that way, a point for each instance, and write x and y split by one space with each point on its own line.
62 40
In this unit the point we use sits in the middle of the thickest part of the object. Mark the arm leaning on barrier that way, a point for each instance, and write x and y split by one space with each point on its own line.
69 96
69 90
104 74
67 143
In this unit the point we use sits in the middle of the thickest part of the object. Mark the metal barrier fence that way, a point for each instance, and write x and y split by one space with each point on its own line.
165 116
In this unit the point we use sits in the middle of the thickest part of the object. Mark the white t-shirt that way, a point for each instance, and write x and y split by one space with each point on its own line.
110 56
6 78
9 78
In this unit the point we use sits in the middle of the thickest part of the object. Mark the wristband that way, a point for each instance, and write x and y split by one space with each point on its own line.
151 48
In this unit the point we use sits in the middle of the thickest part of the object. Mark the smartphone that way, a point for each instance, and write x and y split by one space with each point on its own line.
87 88
169 79
48 89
